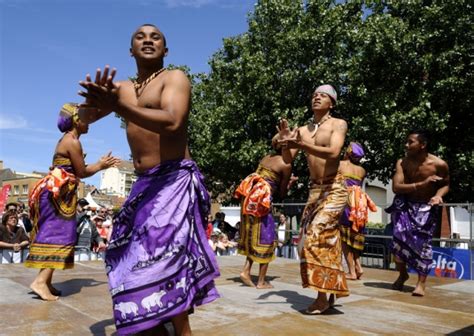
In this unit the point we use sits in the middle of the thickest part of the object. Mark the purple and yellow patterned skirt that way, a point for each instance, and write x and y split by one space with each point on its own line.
54 232
356 240
258 238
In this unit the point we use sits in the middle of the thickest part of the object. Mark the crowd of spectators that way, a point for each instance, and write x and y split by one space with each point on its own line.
94 227
15 229
224 238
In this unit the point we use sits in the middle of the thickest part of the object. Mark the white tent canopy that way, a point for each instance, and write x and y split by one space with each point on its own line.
232 215
92 203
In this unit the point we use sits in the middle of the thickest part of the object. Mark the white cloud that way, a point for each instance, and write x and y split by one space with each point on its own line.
188 3
201 3
12 122
229 4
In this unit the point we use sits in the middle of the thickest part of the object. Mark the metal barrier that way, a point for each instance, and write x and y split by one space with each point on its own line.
8 256
377 246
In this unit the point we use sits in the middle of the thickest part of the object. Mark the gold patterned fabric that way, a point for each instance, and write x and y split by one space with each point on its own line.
354 239
320 245
268 174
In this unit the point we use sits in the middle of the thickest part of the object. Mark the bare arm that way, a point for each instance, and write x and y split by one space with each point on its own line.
172 116
88 113
14 246
443 172
400 187
24 243
76 156
6 245
285 179
289 154
398 182
285 133
175 105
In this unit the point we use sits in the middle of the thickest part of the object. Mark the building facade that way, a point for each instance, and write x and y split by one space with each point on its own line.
20 187
382 195
118 180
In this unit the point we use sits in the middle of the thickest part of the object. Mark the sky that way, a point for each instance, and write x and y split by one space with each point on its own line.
48 46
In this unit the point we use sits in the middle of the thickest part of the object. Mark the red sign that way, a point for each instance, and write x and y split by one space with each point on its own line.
4 196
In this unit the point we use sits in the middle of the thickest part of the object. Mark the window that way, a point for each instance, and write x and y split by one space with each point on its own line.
16 190
25 189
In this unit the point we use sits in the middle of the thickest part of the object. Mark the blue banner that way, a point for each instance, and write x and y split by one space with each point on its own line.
451 263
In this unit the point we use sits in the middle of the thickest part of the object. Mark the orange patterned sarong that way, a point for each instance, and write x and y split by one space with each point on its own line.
359 203
321 249
256 193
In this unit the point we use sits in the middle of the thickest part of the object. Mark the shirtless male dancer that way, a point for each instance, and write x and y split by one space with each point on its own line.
320 244
159 262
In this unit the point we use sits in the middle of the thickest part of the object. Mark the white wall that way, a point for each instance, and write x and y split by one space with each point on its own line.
110 181
232 214
382 195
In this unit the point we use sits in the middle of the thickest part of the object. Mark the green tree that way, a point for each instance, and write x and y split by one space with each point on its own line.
396 66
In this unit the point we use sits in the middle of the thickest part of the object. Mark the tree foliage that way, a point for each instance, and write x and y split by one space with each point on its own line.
396 66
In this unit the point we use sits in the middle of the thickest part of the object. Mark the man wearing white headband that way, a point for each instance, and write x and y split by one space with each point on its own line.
320 244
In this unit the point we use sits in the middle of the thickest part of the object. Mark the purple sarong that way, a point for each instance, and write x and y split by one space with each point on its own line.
413 227
159 261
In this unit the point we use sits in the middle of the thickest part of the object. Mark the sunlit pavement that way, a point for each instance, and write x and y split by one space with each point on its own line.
372 308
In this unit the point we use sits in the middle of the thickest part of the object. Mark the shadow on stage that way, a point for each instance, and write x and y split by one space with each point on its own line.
99 327
464 331
387 285
297 301
74 286
254 279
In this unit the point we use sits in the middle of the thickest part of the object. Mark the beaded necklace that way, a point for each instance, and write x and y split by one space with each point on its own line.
316 125
141 86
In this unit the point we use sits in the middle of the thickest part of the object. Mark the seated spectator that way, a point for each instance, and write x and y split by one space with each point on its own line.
102 227
87 235
209 227
221 227
102 212
12 206
216 220
25 222
237 233
23 216
213 240
224 245
12 236
109 216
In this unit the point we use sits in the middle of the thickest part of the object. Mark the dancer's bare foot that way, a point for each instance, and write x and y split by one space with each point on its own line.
54 291
265 285
351 276
317 307
419 289
359 274
246 280
398 284
43 292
